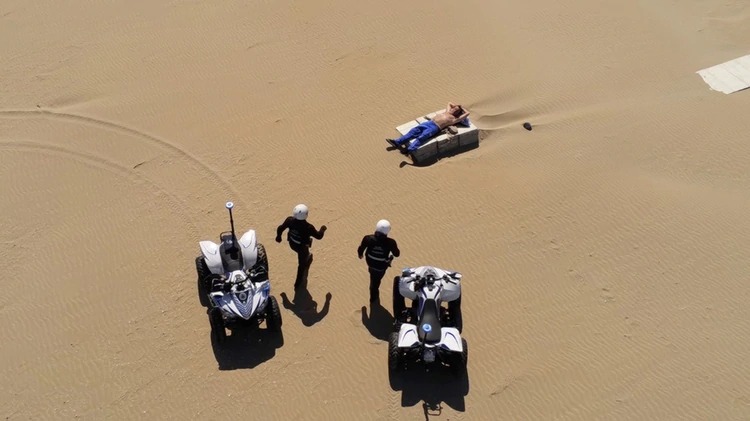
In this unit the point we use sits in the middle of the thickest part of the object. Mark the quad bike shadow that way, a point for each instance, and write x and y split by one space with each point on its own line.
433 388
246 347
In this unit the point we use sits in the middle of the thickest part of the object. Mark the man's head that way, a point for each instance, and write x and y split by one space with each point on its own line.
457 111
300 212
383 227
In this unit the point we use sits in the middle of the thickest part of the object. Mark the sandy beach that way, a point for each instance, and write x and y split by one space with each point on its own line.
605 253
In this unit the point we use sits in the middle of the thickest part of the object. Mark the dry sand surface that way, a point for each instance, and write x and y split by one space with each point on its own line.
605 253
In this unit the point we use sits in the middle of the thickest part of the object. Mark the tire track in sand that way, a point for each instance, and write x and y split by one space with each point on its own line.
174 205
177 204
76 304
123 129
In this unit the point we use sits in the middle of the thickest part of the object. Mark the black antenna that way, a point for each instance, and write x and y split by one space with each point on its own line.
229 206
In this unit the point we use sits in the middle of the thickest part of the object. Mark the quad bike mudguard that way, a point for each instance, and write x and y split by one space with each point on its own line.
248 249
210 252
450 339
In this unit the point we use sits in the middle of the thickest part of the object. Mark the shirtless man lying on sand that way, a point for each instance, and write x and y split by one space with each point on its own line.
452 115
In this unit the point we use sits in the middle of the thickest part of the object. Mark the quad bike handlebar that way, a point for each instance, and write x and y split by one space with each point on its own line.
448 277
251 275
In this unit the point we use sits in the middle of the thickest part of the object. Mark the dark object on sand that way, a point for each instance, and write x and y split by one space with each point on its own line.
527 126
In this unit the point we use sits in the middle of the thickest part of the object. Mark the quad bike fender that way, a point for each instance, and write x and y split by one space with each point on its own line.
407 335
261 297
210 252
220 302
451 339
451 292
259 303
234 310
249 246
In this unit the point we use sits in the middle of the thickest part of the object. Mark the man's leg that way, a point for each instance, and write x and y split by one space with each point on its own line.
303 263
414 145
414 132
376 276
431 129
411 134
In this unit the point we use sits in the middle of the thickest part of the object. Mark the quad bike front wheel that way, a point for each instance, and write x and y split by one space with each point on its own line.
204 286
273 315
262 258
399 305
218 331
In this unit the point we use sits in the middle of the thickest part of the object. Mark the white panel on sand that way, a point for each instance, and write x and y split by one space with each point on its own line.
728 77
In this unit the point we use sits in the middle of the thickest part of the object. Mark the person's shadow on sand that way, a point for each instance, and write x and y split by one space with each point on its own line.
379 322
432 388
246 347
402 151
304 307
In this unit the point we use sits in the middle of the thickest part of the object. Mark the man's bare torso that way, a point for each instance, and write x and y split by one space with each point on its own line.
444 120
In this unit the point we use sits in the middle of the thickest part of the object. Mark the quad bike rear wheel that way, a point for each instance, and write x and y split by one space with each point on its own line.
460 361
218 331
454 313
273 315
204 286
395 362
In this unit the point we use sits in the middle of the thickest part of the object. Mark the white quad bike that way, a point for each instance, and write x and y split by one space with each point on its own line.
233 282
428 333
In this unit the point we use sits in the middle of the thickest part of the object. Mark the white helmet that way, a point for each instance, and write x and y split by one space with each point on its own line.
300 212
383 227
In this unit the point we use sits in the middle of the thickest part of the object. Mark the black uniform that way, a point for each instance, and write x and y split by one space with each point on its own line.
377 249
300 237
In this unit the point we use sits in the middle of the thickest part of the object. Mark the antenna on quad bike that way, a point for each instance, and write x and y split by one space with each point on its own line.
229 206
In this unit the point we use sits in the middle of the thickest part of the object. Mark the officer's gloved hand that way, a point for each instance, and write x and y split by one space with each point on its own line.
323 228
278 239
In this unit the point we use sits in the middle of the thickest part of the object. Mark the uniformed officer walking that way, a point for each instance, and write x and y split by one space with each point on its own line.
378 250
300 238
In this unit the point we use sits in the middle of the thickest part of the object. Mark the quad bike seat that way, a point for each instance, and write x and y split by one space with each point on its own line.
430 317
231 254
